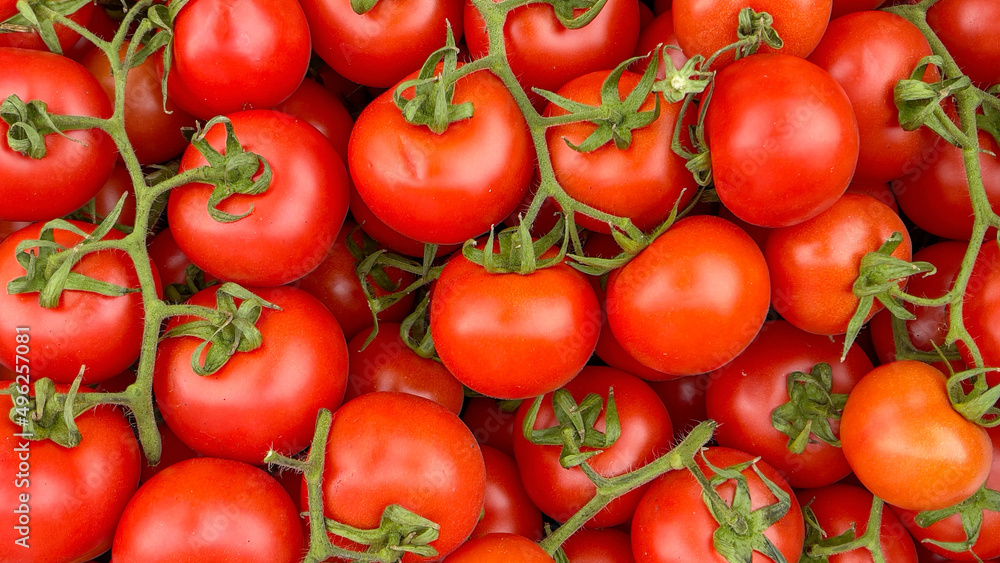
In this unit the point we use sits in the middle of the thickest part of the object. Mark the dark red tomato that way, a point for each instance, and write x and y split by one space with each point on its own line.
660 6
450 187
840 507
899 457
8 228
491 424
800 24
322 109
104 201
642 182
63 504
76 163
291 226
673 524
99 332
170 262
335 283
599 546
703 285
386 235
173 451
155 134
508 508
931 325
262 399
797 129
544 54
382 46
101 25
437 470
950 529
660 32
228 511
258 60
744 392
684 398
513 336
388 364
842 7
964 26
868 53
645 433
646 15
814 264
878 190
31 40
935 195
981 306
499 548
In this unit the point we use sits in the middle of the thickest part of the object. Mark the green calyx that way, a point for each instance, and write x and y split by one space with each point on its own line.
399 532
575 428
28 124
811 405
48 415
970 511
231 329
569 15
431 104
236 171
818 547
919 103
754 30
41 16
678 83
978 404
518 252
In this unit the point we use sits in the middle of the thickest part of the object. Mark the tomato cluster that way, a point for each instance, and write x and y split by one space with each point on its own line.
499 280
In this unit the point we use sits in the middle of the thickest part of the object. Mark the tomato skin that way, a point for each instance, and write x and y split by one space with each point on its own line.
660 31
32 40
437 471
491 425
170 262
294 223
844 7
924 475
499 548
507 507
838 507
228 511
642 182
684 398
798 130
704 284
965 28
868 53
814 264
672 523
981 308
387 236
263 399
608 545
322 109
258 60
75 495
75 166
85 329
447 188
744 392
485 327
645 433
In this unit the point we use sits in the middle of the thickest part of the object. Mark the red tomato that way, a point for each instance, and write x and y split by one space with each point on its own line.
672 522
63 504
645 433
800 23
262 399
259 51
684 398
499 548
919 463
386 235
507 508
322 109
31 40
76 163
382 46
490 424
703 285
513 336
965 28
745 392
980 306
437 470
228 511
868 53
842 7
797 129
101 333
173 451
642 182
170 262
660 32
450 187
388 364
119 183
292 225
878 190
814 264
599 546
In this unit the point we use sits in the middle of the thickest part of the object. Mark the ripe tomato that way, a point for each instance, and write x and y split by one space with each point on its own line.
386 235
609 545
322 109
380 47
645 433
77 163
292 225
684 398
499 548
980 307
642 182
507 508
660 31
228 511
490 424
98 332
63 504
445 188
262 399
903 459
814 264
259 52
488 327
868 53
964 28
437 470
31 40
703 284
797 129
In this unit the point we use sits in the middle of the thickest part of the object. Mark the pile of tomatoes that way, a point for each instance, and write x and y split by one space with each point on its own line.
499 280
